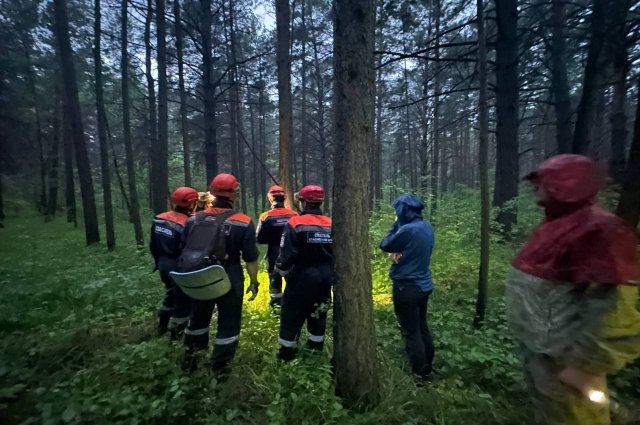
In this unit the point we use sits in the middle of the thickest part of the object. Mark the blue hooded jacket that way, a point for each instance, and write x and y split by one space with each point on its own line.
412 236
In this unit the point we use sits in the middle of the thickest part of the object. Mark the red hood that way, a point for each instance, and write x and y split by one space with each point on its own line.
569 181
577 242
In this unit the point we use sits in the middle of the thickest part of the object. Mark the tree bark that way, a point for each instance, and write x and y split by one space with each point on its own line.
126 127
582 135
619 60
160 157
436 165
210 143
26 44
54 153
262 138
236 110
354 335
559 83
2 216
151 95
256 157
69 182
285 106
186 150
102 130
72 109
483 159
304 137
629 204
507 164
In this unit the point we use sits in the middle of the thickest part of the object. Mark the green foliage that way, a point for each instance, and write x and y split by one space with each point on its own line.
78 341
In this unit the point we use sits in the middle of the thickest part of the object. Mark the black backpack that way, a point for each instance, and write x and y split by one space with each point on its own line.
206 243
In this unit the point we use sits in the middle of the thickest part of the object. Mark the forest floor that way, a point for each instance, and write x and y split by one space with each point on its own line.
78 343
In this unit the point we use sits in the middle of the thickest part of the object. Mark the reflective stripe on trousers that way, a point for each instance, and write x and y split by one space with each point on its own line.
227 341
285 343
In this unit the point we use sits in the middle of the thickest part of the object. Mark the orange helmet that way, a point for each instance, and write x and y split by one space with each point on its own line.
224 185
276 191
184 196
311 193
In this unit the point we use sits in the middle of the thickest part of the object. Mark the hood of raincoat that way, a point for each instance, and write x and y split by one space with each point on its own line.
408 208
568 181
578 241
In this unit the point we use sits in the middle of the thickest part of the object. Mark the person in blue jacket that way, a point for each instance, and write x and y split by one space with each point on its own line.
410 243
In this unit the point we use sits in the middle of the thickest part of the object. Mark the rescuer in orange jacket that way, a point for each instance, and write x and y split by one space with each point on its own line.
166 236
270 227
306 259
240 244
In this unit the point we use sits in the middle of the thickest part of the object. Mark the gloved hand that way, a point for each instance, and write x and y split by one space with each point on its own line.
253 288
282 273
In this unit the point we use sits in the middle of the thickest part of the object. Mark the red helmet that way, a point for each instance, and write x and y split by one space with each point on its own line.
276 191
184 196
224 185
311 193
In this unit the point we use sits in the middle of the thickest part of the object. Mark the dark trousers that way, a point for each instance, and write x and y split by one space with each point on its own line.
306 298
275 280
176 305
410 305
196 336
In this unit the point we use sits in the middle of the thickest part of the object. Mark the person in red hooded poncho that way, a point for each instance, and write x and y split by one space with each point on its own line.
572 294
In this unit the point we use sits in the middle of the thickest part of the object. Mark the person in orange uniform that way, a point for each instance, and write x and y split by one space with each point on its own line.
240 245
166 235
306 258
270 227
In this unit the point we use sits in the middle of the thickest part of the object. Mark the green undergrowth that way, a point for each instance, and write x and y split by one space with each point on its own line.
79 346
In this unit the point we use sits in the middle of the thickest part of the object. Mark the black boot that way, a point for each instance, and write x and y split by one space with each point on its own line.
189 361
286 354
315 346
177 332
275 301
163 324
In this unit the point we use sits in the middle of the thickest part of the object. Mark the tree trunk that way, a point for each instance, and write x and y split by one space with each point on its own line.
437 162
210 143
186 151
102 130
354 334
592 80
507 166
2 139
617 51
116 168
262 139
629 205
42 204
255 161
72 111
54 153
285 106
69 183
303 79
160 157
151 95
483 159
236 110
424 142
377 150
322 143
559 84
126 128
2 216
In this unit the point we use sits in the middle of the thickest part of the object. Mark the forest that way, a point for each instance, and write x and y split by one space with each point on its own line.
107 106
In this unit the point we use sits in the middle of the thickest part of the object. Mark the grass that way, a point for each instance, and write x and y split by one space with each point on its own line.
79 345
